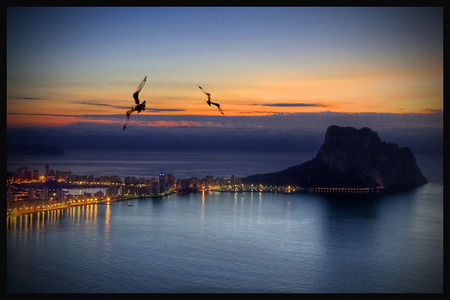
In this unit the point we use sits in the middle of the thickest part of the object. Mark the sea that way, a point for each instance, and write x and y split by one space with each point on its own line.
227 242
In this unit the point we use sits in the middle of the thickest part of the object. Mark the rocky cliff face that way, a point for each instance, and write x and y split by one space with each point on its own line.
351 158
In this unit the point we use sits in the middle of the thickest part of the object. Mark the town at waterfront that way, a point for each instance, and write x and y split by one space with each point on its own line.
29 191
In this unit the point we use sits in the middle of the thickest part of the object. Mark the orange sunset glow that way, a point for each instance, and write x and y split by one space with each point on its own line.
324 68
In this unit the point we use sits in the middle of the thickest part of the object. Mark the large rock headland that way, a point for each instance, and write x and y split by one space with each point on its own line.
350 158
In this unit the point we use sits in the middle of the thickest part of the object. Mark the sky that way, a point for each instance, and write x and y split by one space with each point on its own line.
282 75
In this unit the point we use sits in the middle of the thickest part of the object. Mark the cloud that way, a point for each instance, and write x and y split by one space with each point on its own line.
127 107
163 109
40 114
29 98
275 122
100 104
292 104
174 124
423 133
431 111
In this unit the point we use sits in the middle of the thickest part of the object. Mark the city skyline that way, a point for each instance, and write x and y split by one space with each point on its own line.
71 71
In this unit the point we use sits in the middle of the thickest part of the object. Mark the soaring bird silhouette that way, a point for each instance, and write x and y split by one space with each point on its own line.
139 106
210 102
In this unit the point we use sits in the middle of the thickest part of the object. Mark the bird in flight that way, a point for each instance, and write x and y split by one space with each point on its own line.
139 106
210 102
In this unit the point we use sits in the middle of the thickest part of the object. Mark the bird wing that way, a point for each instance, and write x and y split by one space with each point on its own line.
218 106
207 94
139 88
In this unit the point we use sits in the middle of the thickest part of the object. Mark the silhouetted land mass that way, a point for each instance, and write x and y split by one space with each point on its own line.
37 149
351 158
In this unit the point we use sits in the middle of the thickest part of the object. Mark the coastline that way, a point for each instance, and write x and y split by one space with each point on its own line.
107 200
228 189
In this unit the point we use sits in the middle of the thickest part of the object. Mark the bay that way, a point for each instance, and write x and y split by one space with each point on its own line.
185 164
150 164
228 242
233 243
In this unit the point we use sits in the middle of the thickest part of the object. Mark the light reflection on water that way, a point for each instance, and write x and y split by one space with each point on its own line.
233 242
35 222
228 242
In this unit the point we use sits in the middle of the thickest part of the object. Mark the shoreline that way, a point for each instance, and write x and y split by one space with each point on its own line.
285 191
63 206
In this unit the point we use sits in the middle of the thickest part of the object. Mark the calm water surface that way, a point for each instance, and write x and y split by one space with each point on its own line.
230 242
233 242
150 164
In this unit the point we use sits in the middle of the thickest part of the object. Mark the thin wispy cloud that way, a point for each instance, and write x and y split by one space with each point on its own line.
29 98
293 104
163 109
283 123
431 111
41 114
100 104
174 124
127 107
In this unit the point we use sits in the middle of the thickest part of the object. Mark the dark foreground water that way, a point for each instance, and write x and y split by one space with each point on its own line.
227 242
233 242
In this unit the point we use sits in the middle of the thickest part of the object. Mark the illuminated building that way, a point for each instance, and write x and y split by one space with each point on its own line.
162 182
122 190
31 194
44 194
155 187
171 181
112 191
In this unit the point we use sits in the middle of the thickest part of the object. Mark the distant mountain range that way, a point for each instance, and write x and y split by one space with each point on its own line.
350 158
37 149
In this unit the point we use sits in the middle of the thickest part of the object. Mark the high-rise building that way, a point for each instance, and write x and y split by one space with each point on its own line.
44 193
232 180
122 190
9 195
183 184
30 194
22 173
171 181
35 175
162 182
112 191
155 188
61 195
